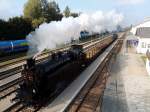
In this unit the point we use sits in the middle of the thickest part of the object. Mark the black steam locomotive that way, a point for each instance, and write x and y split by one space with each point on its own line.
40 80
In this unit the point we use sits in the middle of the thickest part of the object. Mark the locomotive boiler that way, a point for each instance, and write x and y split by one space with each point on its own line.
42 80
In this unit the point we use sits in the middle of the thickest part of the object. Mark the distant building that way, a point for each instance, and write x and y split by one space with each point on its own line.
143 35
145 23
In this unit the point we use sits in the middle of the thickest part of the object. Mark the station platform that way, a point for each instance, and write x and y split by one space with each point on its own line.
128 87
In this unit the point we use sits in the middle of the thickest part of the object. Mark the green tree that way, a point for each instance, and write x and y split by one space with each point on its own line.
67 11
33 9
19 27
3 29
74 14
53 12
42 11
45 9
15 28
37 22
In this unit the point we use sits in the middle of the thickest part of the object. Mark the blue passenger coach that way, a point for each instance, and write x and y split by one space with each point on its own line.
13 46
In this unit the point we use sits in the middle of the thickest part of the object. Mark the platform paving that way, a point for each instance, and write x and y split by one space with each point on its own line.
128 87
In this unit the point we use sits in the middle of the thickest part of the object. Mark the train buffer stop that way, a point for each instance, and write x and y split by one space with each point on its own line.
128 87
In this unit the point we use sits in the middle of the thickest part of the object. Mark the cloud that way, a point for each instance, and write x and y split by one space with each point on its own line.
10 8
132 2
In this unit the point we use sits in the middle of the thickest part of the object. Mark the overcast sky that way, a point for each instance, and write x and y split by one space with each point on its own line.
134 11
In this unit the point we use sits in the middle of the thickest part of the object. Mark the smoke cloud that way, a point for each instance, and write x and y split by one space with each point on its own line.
48 35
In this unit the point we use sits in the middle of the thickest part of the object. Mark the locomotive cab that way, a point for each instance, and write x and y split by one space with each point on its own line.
77 51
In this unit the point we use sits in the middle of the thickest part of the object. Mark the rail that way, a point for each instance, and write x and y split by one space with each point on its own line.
90 97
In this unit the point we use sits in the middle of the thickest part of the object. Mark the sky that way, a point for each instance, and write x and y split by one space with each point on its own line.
134 11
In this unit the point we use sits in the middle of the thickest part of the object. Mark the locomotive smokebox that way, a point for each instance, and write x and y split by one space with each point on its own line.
30 62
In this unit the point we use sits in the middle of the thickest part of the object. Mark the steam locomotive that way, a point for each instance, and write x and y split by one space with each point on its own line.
42 80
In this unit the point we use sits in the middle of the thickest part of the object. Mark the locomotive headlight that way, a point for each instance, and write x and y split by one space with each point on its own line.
34 91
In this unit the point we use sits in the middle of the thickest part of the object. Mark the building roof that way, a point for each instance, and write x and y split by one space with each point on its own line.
143 32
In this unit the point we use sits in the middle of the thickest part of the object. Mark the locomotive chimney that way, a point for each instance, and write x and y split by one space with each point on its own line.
30 62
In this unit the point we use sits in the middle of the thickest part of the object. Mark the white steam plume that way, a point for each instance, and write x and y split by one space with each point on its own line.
48 35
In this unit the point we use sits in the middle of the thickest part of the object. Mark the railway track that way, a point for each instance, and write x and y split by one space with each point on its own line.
15 107
90 97
20 107
11 56
8 91
11 88
9 73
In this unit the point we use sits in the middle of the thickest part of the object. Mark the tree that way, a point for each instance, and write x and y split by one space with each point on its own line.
19 27
74 14
3 27
39 10
45 9
15 28
33 9
53 12
67 11
37 22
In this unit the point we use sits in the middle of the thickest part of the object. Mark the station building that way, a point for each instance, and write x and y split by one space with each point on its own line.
145 23
142 34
